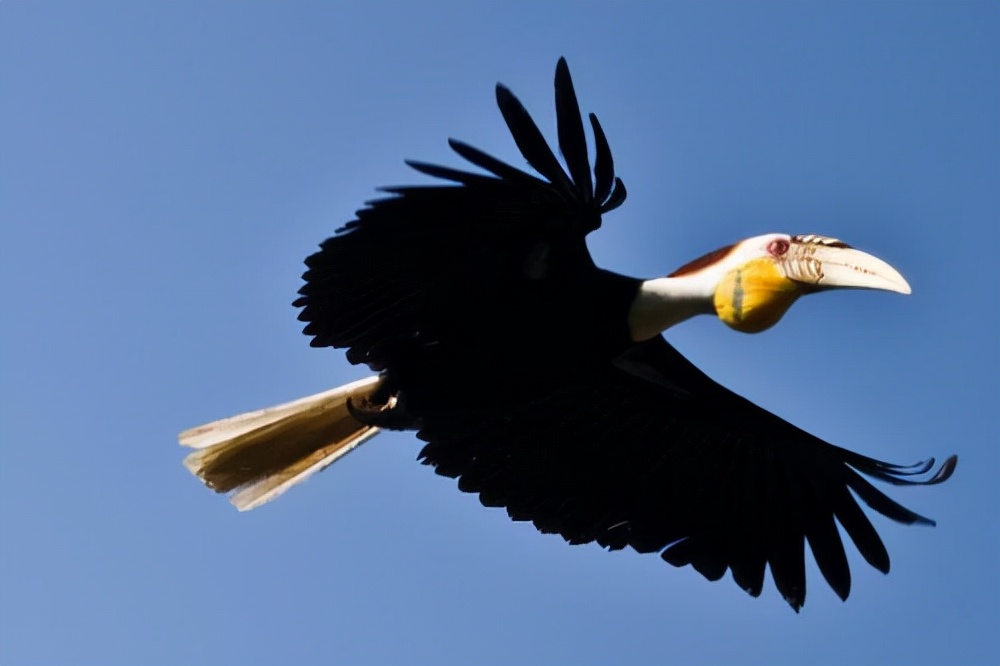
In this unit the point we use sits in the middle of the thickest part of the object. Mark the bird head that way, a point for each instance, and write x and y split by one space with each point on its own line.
758 279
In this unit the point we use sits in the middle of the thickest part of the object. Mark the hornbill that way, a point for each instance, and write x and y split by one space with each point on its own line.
542 382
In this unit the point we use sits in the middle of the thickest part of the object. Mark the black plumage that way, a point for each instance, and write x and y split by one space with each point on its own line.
508 350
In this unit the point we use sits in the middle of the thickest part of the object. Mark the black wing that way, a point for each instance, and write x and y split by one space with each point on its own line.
402 266
651 453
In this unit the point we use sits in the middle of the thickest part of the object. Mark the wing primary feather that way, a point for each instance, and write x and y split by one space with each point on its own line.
893 474
604 163
702 553
828 550
786 547
493 165
749 571
572 140
944 473
881 503
860 529
445 173
616 198
748 559
530 141
788 566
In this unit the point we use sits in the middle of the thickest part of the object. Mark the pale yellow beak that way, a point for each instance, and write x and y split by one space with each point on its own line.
835 265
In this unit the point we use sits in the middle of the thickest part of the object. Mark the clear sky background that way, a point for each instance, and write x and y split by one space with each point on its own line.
166 166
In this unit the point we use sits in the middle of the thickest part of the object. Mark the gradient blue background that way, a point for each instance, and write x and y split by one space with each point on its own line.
165 167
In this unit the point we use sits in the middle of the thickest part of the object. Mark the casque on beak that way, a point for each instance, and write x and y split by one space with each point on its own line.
826 263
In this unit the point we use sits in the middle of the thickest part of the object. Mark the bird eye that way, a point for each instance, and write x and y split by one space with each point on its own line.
778 247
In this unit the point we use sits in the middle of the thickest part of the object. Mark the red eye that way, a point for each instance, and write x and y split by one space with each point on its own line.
778 247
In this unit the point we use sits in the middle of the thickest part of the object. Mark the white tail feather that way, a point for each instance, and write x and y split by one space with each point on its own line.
268 488
262 454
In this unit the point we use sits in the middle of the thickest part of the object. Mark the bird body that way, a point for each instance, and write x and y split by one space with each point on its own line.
541 381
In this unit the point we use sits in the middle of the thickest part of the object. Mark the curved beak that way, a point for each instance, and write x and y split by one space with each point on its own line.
824 263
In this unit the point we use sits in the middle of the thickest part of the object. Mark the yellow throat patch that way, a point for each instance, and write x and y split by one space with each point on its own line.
753 297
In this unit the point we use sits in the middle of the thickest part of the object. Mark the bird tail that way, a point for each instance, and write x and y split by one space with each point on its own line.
262 454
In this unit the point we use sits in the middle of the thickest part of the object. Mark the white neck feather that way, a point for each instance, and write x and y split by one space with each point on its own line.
663 302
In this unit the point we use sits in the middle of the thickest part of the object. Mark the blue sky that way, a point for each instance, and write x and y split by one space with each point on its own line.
165 167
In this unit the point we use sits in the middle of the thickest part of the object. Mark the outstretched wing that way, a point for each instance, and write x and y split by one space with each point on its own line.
407 261
651 453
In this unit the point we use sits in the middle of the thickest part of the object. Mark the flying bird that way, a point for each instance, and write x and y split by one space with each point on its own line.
542 383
